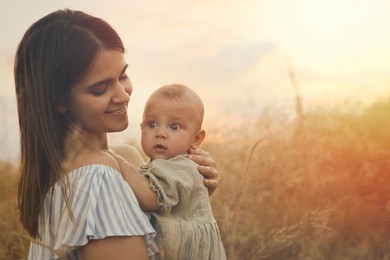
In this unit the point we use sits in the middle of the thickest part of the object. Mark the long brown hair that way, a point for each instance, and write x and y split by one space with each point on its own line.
55 53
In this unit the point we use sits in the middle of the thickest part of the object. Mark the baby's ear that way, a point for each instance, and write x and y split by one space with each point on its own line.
198 139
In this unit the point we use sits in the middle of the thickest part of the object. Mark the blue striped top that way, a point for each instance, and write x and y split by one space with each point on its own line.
102 204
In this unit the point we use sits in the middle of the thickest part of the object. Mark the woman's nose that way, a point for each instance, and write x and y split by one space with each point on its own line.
122 92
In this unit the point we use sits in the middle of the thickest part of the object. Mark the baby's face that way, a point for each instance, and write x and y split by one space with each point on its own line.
168 128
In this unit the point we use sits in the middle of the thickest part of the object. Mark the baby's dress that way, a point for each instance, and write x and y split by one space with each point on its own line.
103 205
185 226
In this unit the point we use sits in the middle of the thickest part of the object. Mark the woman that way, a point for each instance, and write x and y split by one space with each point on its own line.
72 89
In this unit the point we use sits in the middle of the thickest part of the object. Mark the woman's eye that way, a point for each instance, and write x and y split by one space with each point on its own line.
152 124
98 91
175 127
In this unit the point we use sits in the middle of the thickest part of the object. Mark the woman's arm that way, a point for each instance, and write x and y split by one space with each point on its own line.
115 248
207 167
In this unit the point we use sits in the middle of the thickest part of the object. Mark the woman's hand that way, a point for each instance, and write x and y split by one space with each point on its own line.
207 167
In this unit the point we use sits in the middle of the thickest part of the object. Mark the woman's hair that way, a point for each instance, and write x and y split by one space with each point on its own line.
55 53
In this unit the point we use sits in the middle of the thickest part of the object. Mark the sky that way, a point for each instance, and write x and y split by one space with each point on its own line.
235 54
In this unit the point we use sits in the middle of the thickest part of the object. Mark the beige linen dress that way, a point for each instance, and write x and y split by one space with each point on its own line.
185 226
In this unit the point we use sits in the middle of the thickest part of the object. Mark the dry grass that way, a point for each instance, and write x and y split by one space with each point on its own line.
12 242
320 191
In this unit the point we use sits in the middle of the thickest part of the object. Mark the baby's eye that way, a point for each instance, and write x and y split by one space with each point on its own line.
174 126
152 124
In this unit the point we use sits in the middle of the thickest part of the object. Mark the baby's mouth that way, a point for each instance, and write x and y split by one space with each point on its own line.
160 147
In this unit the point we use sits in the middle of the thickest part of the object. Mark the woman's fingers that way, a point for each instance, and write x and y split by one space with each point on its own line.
199 152
208 172
202 158
210 177
207 167
211 185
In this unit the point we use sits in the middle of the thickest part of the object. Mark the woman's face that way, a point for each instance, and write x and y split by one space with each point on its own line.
98 103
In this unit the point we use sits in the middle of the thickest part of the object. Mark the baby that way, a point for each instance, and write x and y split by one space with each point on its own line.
170 185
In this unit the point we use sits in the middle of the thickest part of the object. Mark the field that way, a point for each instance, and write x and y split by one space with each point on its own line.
317 187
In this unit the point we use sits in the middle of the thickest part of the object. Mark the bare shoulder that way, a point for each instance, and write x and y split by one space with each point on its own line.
93 157
130 153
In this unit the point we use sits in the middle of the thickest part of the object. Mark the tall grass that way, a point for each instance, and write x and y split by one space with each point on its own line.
317 189
13 244
322 192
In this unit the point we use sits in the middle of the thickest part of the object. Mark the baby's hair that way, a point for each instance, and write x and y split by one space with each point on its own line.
175 90
178 92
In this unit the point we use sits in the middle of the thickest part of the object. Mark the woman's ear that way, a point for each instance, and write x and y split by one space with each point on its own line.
198 139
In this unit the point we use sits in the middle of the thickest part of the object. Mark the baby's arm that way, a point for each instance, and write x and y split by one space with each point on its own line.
146 197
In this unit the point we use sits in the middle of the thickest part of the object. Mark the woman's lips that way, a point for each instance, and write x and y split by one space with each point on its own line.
119 111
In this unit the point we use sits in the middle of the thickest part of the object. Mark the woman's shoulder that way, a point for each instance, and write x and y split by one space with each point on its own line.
130 153
86 158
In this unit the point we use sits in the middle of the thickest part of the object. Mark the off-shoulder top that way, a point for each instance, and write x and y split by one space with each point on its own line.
103 205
